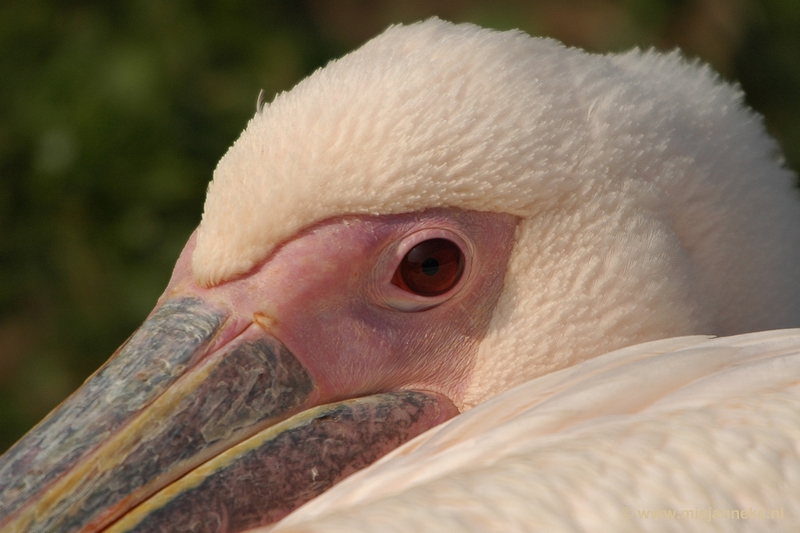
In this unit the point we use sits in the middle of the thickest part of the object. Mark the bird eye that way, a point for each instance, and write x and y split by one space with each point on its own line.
430 268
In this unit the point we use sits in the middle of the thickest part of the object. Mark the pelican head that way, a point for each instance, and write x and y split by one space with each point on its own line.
439 216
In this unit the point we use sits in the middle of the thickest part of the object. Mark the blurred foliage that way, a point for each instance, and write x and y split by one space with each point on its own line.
113 115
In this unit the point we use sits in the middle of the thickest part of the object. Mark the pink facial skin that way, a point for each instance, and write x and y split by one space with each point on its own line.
327 295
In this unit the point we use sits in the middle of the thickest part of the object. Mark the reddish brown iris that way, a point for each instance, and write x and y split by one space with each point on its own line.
431 268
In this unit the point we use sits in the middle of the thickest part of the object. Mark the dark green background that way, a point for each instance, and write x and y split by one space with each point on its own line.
113 115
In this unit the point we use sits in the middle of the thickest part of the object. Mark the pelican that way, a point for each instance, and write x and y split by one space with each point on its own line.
554 273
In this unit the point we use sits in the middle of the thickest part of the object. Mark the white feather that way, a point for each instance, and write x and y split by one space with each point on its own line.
681 425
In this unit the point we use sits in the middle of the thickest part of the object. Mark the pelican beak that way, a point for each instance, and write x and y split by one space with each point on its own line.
197 417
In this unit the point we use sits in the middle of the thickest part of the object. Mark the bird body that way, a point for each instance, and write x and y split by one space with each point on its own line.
420 227
682 434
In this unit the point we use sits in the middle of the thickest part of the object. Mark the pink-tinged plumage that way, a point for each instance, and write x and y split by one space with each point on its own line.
687 434
586 204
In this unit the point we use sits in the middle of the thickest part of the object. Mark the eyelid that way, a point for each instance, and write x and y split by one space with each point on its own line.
392 296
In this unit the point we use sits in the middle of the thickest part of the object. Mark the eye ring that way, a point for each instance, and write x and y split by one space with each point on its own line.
397 294
430 268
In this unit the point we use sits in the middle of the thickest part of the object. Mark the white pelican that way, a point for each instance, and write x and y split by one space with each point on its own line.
439 217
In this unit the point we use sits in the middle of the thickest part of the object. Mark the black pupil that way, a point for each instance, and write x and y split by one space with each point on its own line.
430 268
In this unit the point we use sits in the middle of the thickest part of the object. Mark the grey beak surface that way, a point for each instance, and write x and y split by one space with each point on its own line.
180 431
159 408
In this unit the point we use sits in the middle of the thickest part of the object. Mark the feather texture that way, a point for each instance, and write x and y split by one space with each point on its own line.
671 435
651 201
